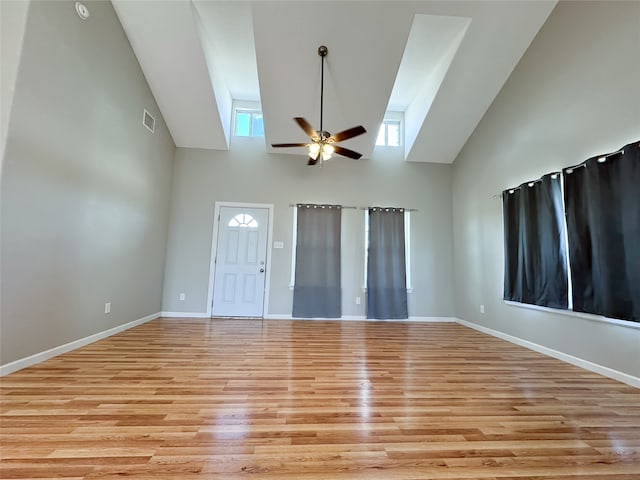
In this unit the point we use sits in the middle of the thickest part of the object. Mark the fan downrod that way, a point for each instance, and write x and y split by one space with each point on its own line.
321 140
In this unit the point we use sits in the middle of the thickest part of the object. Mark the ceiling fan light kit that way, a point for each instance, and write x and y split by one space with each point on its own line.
322 145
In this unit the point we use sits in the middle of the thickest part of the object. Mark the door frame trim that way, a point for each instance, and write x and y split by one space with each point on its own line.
214 249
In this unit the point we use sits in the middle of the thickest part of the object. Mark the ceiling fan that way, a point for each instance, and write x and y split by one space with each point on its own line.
323 144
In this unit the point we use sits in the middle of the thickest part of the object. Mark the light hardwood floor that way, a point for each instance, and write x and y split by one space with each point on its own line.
267 400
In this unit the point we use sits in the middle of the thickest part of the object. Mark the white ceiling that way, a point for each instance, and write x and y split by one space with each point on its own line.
441 63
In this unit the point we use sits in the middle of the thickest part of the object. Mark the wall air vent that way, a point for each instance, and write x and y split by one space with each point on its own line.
148 121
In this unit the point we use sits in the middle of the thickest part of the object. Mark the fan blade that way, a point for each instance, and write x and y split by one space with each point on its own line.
284 145
312 161
347 134
306 126
345 152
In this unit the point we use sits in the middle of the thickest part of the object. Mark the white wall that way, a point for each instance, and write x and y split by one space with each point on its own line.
13 18
85 187
247 174
574 94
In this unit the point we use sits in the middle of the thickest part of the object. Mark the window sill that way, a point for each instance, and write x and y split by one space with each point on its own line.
364 289
571 313
409 290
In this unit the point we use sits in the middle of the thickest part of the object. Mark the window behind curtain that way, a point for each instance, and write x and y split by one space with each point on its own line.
602 200
386 272
535 257
316 292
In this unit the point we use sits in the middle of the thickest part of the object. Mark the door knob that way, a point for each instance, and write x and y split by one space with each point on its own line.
262 270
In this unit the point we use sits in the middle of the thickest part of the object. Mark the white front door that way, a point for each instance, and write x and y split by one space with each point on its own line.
240 265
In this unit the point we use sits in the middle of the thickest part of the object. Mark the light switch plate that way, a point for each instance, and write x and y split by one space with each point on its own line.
278 244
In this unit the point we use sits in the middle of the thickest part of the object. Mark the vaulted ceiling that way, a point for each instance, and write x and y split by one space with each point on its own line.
441 63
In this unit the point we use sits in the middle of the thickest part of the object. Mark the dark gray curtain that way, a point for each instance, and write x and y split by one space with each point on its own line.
386 271
316 292
602 200
535 269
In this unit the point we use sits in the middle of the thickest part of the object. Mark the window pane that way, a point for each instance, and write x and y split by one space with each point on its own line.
242 124
243 220
393 134
316 291
602 213
380 139
258 125
386 265
535 260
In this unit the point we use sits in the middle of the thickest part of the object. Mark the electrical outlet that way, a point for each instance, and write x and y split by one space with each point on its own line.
357 300
481 308
182 297
107 307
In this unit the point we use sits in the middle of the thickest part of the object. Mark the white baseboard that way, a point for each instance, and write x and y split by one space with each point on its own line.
360 318
185 314
287 316
11 367
433 319
578 362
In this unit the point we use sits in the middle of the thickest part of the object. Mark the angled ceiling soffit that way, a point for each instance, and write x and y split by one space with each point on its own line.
432 44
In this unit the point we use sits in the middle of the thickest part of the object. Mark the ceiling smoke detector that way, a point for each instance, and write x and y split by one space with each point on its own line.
82 10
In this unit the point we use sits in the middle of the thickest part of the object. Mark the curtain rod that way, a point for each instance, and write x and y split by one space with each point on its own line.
601 159
530 183
364 208
405 209
569 170
341 206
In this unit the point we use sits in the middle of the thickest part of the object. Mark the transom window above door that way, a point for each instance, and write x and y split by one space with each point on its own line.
243 220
